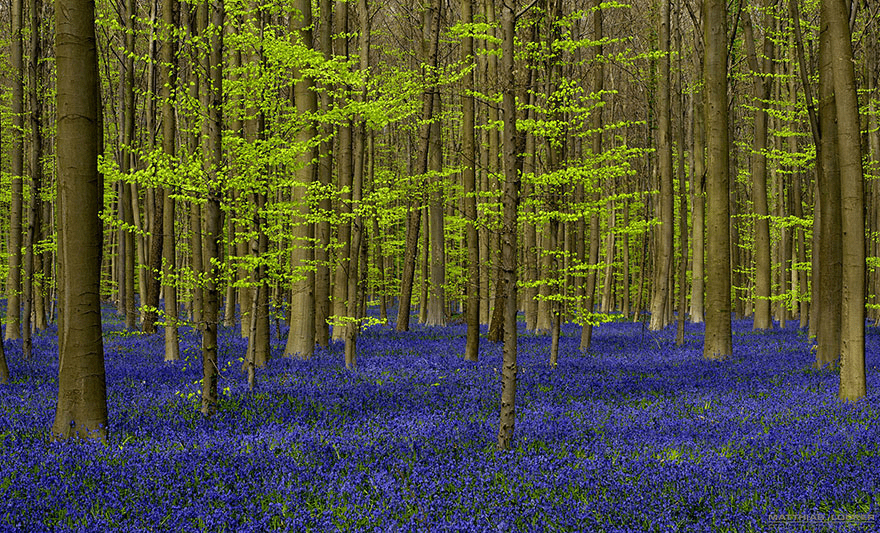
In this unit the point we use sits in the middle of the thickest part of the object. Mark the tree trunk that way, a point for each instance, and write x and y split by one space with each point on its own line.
510 201
301 337
662 290
718 342
468 177
36 154
698 190
598 86
852 196
828 280
168 79
13 283
324 177
682 195
437 300
345 175
414 217
762 88
81 410
214 216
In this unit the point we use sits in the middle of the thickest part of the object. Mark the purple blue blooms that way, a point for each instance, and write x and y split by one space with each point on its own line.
638 435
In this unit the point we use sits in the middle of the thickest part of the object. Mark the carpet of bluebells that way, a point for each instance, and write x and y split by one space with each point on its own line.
637 435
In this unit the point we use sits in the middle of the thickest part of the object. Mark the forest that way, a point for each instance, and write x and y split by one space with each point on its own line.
451 265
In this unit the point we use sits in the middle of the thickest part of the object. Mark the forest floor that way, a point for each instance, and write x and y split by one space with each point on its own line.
637 435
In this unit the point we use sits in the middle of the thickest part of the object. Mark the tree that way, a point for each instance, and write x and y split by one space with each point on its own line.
718 342
81 411
13 283
852 195
762 88
301 337
414 217
168 79
36 162
468 177
662 293
510 203
214 217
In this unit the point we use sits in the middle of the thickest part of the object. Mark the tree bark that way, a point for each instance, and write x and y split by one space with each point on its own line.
762 88
301 337
718 342
510 201
828 279
214 216
663 269
81 410
36 155
414 216
852 195
468 177
13 283
168 79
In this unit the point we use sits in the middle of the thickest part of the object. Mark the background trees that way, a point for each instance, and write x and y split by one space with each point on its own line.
335 158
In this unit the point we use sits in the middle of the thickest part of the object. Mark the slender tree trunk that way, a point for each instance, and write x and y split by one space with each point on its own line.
718 343
81 410
214 216
168 79
510 201
324 177
437 299
472 345
345 175
698 216
13 283
357 259
414 217
761 91
682 195
662 290
598 86
36 155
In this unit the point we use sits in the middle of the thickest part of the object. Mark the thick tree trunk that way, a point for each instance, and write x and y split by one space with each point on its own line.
301 337
718 342
81 410
828 280
852 196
